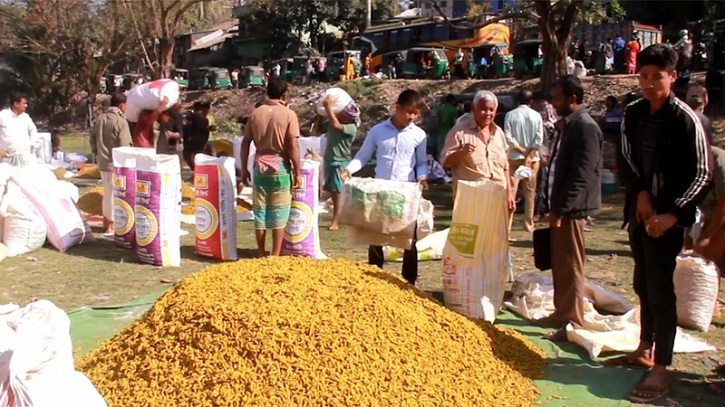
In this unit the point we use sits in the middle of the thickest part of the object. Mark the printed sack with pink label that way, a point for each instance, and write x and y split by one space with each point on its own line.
158 209
124 193
302 236
67 227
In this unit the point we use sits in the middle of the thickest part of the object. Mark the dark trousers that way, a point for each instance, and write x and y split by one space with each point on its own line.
410 261
654 266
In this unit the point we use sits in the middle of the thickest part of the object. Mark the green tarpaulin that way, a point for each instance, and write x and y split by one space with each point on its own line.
570 379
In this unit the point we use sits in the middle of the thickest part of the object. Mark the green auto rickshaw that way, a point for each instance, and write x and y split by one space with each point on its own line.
297 70
252 76
181 76
102 85
210 78
492 60
334 68
132 79
527 58
417 63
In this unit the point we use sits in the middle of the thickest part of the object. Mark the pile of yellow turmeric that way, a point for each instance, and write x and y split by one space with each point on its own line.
91 202
290 331
89 171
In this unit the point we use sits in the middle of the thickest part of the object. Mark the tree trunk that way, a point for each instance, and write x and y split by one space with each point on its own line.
554 64
165 57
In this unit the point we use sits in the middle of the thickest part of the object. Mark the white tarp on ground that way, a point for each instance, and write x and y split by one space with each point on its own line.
534 299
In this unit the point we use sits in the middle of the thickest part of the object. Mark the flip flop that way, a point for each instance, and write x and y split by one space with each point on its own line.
557 336
626 361
646 394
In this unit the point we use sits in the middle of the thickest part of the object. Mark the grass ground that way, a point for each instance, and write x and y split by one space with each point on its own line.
100 273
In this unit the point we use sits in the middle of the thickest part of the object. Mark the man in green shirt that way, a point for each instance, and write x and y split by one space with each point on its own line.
447 114
341 132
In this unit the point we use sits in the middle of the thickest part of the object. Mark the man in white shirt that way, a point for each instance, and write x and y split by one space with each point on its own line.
524 129
18 134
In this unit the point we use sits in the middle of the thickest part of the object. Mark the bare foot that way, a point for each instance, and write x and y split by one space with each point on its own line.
641 358
263 254
334 226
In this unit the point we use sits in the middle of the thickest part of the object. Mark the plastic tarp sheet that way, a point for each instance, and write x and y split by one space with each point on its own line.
571 379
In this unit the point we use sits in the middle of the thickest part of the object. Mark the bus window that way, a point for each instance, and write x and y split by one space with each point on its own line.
427 33
404 38
442 32
386 39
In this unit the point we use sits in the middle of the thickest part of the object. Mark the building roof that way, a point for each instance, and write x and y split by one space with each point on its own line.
204 43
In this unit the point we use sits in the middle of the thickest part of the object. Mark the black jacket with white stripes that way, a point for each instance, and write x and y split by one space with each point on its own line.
683 163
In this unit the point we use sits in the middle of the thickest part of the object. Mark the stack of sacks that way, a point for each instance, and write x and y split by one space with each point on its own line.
34 206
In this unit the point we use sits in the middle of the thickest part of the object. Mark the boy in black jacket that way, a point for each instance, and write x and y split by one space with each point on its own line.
668 173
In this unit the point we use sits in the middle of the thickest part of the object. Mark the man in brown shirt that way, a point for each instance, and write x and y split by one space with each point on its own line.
275 130
110 131
476 149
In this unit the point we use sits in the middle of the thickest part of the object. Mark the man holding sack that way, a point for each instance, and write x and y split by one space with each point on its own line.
400 150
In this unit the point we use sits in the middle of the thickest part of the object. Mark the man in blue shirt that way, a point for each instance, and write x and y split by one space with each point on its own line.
619 45
400 150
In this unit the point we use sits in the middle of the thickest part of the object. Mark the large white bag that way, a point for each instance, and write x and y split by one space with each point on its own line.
338 97
216 207
302 235
23 228
44 148
475 258
158 209
36 360
696 287
147 96
381 206
67 227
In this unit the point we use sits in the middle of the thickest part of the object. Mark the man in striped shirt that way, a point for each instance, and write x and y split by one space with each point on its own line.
668 172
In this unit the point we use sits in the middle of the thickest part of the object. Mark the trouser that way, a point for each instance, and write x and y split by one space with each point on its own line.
529 185
376 257
107 202
567 269
655 260
542 203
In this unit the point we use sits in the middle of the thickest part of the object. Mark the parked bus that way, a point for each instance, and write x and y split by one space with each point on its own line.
435 32
596 34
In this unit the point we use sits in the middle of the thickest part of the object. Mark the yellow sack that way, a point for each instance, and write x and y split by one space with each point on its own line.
475 257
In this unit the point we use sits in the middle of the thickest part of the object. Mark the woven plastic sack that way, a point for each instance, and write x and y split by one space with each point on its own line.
216 207
475 257
302 235
124 193
338 98
147 96
158 210
381 206
23 228
696 288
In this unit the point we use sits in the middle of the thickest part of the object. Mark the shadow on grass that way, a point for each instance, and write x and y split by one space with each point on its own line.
505 345
106 250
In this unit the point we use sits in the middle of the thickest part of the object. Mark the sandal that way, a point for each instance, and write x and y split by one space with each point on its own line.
557 336
628 361
647 394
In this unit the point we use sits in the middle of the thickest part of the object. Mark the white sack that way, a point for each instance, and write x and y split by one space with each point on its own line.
475 258
148 96
67 227
36 363
338 98
696 287
216 207
23 228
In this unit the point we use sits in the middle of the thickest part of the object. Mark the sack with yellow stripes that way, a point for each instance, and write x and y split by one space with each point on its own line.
475 257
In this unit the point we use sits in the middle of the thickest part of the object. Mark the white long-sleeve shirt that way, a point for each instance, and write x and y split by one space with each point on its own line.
18 134
523 127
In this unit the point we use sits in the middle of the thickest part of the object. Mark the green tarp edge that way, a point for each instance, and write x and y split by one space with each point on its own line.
570 379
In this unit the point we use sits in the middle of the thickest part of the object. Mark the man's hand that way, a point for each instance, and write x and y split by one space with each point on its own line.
522 150
554 221
657 225
246 178
3 152
297 182
644 207
173 135
345 174
511 202
424 183
468 148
